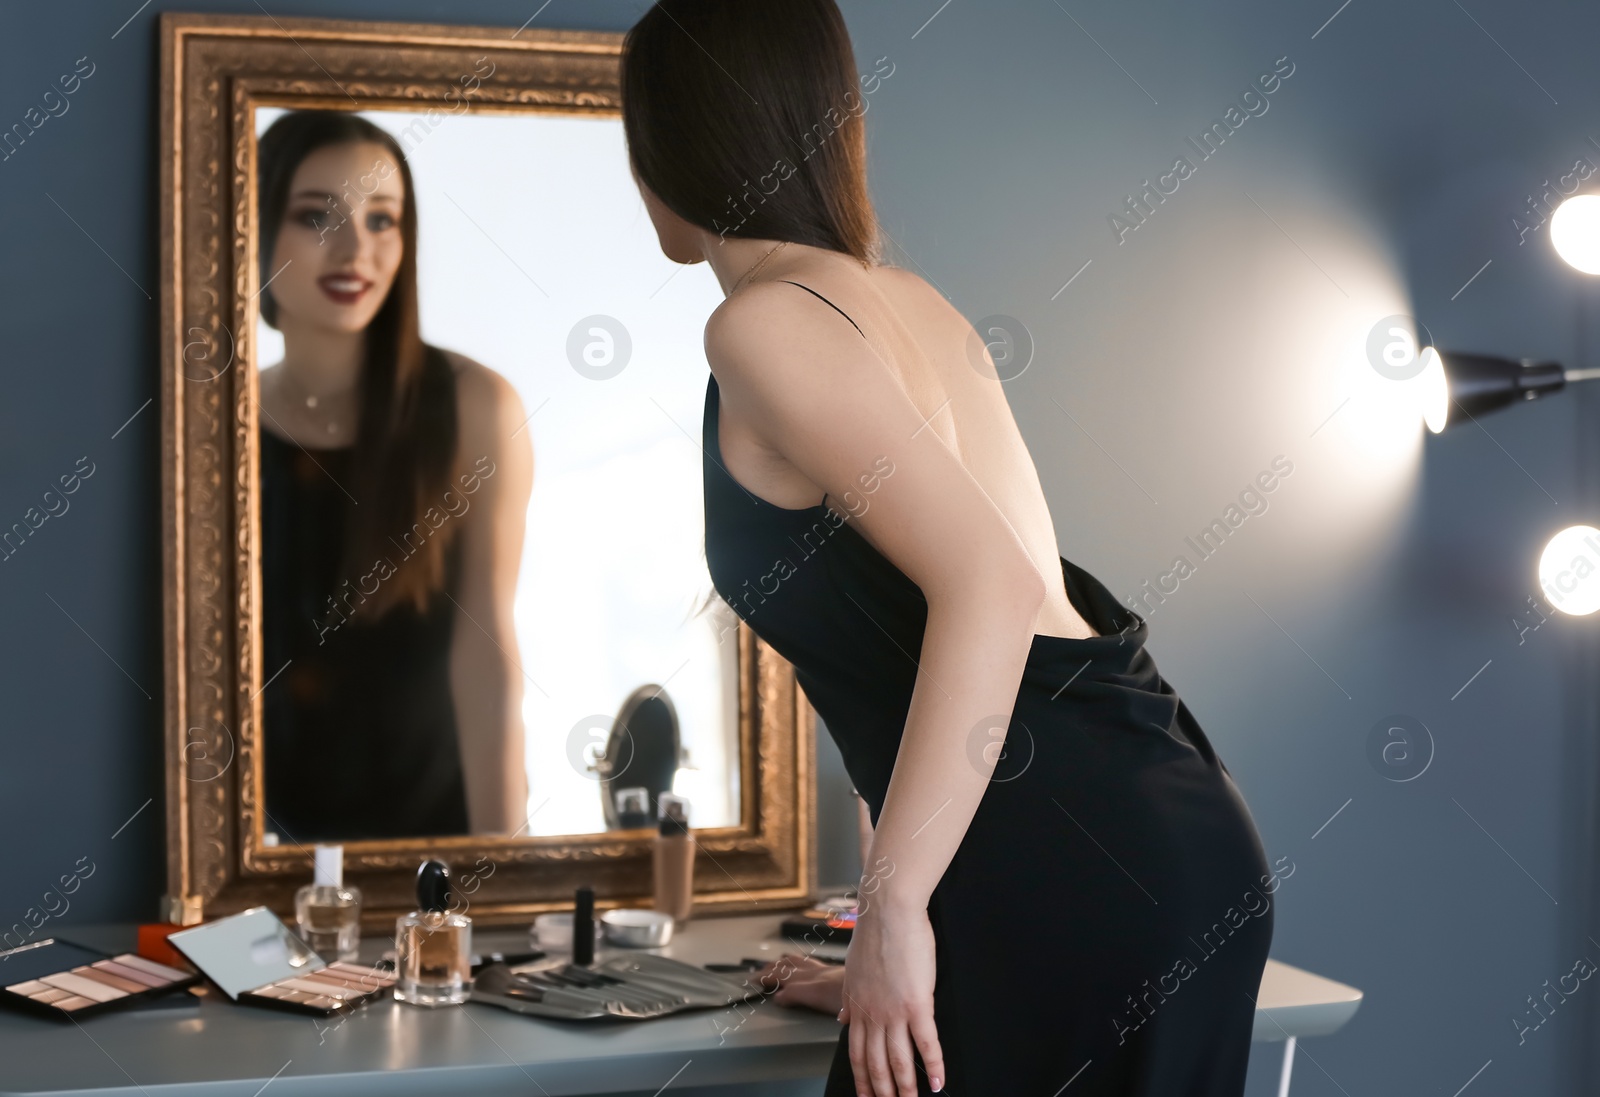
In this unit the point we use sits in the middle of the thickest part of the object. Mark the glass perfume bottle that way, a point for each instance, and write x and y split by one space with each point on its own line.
433 947
328 913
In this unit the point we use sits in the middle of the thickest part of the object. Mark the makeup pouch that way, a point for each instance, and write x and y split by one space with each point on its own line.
621 988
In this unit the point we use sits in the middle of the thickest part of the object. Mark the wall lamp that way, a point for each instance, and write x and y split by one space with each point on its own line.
1457 386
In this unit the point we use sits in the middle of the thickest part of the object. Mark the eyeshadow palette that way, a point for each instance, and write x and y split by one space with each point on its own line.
326 990
254 958
61 979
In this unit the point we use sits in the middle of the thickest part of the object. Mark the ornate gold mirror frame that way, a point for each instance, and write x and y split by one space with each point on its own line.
215 70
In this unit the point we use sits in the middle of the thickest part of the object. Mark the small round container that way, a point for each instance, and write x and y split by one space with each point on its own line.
554 931
637 928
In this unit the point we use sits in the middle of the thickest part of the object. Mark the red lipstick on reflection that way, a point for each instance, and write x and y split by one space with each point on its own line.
344 289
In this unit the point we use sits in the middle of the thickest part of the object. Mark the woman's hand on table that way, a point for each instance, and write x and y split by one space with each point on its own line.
803 982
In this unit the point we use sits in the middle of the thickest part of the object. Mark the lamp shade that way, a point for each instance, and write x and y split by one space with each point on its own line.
1479 383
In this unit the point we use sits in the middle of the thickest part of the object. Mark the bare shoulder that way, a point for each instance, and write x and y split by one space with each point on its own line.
765 347
490 422
751 312
902 280
485 400
917 299
741 316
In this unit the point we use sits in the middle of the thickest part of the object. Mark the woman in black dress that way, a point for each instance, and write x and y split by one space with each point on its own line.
1065 892
394 492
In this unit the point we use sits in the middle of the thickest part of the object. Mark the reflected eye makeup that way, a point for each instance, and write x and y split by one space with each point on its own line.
60 979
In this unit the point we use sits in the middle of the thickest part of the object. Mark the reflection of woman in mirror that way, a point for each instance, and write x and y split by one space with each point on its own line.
395 479
872 512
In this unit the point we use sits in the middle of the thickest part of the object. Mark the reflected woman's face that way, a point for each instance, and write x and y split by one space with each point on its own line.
339 244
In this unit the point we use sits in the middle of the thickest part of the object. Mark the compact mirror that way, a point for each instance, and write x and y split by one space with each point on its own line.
246 951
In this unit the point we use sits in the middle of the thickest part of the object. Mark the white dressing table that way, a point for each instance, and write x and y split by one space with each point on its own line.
218 1049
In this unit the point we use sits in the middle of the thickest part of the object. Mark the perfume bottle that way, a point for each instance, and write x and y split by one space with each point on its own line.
433 947
327 912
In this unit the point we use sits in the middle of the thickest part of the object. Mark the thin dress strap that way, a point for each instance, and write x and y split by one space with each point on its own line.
830 304
841 312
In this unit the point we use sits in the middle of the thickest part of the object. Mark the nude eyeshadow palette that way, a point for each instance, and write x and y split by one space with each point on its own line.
254 958
339 986
61 979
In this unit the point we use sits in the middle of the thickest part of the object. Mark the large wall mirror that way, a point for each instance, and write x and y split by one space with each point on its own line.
434 553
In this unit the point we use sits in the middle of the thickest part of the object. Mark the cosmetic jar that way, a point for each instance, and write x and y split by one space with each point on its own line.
637 928
553 931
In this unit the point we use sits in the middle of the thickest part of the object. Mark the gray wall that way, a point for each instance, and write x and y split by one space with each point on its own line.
1227 330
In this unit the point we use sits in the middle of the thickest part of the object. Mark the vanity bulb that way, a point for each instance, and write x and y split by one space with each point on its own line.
1575 232
1433 389
1569 570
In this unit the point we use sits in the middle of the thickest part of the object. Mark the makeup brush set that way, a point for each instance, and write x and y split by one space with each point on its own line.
625 987
629 988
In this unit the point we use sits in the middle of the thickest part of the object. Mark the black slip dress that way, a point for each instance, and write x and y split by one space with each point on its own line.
1106 918
359 720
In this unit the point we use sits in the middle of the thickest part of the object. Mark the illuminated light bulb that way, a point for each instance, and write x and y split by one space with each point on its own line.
1569 570
1575 232
1433 391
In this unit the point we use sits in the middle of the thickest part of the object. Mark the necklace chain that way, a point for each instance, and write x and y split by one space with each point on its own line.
312 402
762 262
753 271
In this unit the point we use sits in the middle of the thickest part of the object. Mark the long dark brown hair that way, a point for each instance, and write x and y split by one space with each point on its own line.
406 442
745 118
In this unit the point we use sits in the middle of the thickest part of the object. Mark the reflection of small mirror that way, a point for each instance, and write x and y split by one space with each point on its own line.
641 760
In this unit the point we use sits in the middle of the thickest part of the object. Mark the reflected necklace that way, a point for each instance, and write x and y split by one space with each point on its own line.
310 401
751 273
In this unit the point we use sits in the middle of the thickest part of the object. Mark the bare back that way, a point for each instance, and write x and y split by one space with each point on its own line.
929 347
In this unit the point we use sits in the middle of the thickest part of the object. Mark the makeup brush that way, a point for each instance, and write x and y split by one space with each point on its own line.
583 927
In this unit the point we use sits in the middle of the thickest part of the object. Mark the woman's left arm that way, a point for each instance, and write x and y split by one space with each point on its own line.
494 476
817 394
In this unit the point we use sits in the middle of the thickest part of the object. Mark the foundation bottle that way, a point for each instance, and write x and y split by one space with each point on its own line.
433 947
674 859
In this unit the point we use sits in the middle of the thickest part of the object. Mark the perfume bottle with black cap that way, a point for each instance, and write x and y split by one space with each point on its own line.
433 947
